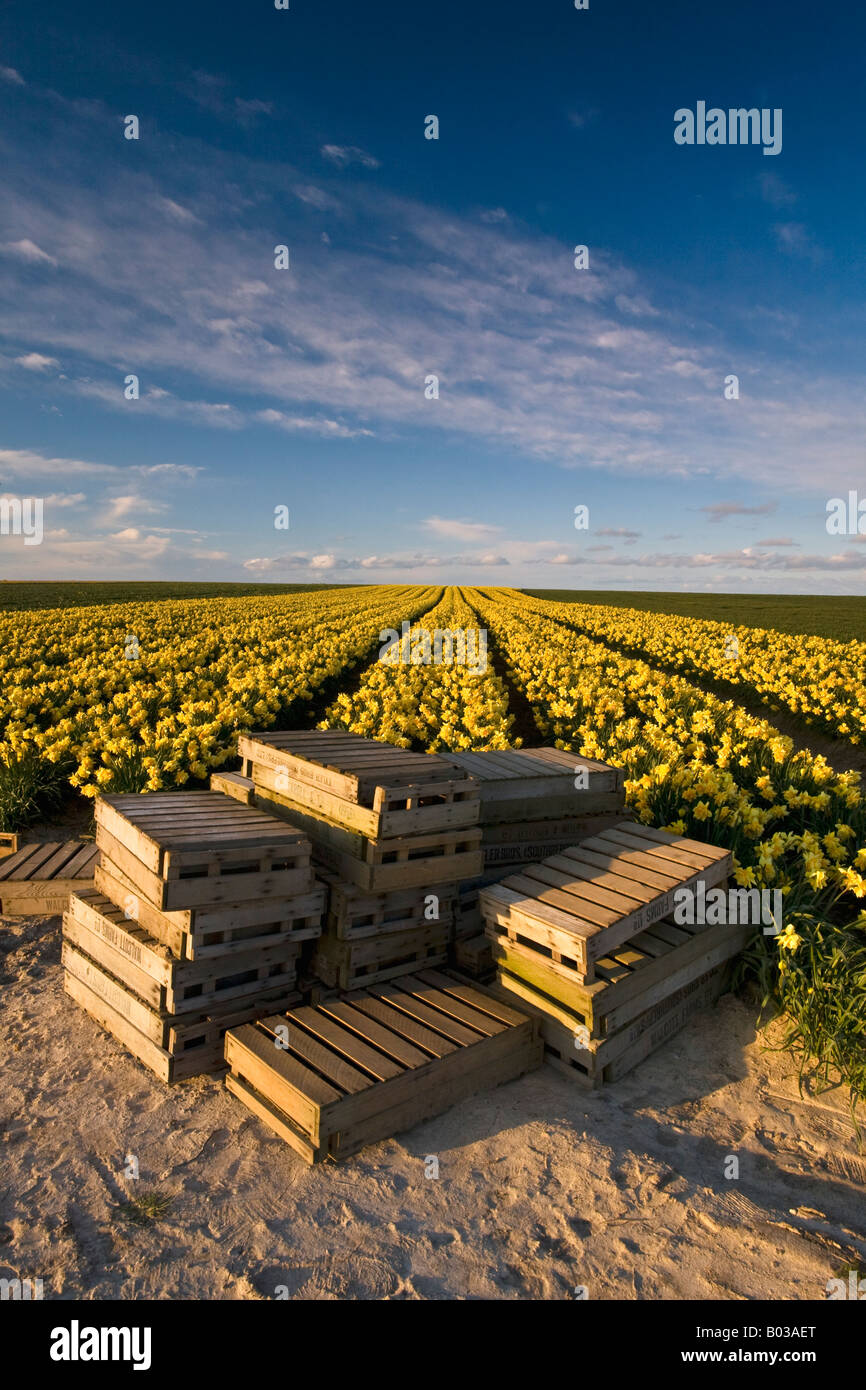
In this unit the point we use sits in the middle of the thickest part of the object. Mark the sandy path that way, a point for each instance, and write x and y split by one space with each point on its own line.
542 1187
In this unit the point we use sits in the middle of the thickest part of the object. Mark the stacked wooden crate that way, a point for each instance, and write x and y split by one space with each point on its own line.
538 801
195 923
348 1072
534 802
38 878
587 943
393 833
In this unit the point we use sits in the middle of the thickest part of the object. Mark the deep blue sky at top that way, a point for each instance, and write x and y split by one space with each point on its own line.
412 256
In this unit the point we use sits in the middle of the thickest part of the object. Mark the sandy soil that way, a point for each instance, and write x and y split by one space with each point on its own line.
542 1187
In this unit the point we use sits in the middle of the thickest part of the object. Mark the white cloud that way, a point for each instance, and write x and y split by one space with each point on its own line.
460 530
35 362
12 75
27 250
120 507
177 211
328 429
344 155
28 463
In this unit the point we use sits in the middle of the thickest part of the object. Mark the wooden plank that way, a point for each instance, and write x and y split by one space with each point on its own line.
471 994
119 965
24 864
59 864
233 784
280 1123
339 1073
351 1047
296 1090
382 1012
148 1052
384 1038
451 1005
422 1012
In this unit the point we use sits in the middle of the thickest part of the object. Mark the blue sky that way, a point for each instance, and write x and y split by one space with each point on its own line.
411 257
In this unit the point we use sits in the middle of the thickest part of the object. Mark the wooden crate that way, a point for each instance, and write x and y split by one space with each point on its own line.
381 866
526 784
195 1047
474 956
526 842
233 784
200 933
8 843
352 964
362 1068
168 1031
633 978
204 932
354 913
580 905
371 787
603 1061
98 928
193 849
38 878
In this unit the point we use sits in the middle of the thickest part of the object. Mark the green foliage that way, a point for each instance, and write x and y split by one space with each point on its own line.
843 618
30 787
21 595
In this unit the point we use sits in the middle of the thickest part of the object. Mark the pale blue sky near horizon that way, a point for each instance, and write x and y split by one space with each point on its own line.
409 257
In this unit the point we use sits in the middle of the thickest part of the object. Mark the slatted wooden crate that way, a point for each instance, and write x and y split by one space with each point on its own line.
630 980
473 955
350 964
8 843
600 1061
526 842
233 784
96 927
382 865
580 905
373 788
38 878
352 1071
194 1046
354 913
528 784
191 849
203 933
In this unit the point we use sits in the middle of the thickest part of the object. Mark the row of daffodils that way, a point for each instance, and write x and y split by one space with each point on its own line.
430 686
819 680
146 695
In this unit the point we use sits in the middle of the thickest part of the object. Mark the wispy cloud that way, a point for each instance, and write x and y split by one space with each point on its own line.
27 250
344 155
721 511
460 530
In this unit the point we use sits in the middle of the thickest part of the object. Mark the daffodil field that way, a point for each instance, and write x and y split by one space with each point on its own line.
148 695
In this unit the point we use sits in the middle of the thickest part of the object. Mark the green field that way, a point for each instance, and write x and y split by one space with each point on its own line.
20 595
843 618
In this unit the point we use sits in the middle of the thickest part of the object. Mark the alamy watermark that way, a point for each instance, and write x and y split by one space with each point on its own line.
22 516
417 646
732 906
846 518
737 126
